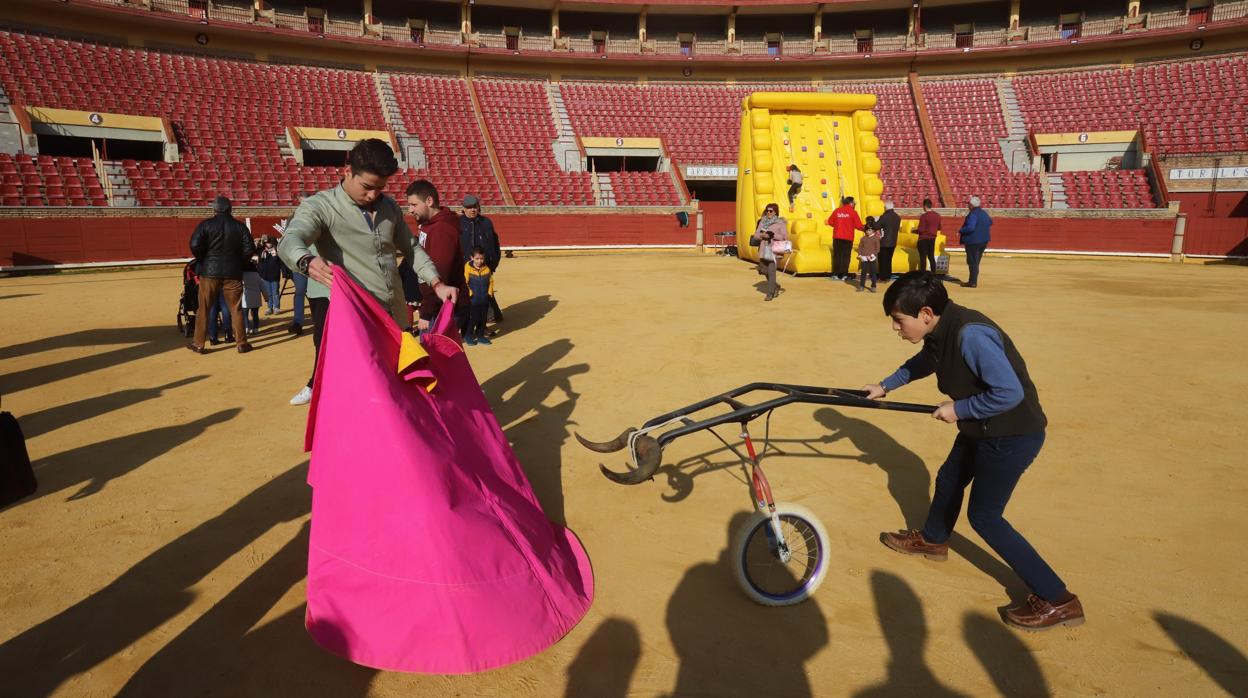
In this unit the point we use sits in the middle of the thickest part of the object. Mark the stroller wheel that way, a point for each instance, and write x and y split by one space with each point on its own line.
181 325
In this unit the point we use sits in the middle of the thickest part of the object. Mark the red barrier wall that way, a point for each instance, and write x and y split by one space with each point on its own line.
44 241
1217 224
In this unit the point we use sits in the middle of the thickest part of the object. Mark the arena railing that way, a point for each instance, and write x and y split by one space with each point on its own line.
1228 11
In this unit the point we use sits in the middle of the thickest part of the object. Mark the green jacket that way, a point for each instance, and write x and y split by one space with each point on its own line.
336 225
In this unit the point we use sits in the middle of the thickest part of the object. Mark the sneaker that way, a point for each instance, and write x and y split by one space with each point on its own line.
873 289
471 341
303 397
484 340
860 289
912 542
1037 614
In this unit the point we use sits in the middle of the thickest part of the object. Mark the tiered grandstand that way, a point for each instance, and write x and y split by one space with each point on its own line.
501 110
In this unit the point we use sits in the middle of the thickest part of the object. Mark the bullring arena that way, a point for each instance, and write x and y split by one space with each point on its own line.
166 548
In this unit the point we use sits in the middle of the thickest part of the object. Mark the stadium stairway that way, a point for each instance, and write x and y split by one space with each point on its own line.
567 154
1014 145
1057 190
411 152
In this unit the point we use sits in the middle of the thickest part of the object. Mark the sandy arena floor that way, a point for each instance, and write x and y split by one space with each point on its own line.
165 551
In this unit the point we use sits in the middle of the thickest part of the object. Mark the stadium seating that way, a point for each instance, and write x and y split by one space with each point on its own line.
49 181
438 110
518 116
1107 189
906 169
1188 107
644 189
967 118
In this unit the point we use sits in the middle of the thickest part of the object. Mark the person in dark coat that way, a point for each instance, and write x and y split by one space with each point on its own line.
439 238
221 245
478 231
270 267
890 223
975 234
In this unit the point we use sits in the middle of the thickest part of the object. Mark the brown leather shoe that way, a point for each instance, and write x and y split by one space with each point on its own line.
244 348
911 542
1037 614
192 347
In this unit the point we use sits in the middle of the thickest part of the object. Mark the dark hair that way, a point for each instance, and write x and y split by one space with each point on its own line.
869 223
847 200
423 189
772 205
477 250
913 291
927 203
221 205
374 156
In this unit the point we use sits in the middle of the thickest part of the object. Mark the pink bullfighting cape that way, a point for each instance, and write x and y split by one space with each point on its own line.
429 552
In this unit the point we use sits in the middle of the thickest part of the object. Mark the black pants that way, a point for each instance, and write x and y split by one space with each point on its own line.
974 254
991 468
886 262
794 190
320 311
867 269
927 253
840 256
477 313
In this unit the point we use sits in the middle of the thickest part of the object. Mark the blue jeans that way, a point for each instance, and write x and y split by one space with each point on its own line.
301 292
271 289
224 309
995 465
974 254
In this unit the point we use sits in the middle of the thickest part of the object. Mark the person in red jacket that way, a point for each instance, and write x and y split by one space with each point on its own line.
844 222
439 236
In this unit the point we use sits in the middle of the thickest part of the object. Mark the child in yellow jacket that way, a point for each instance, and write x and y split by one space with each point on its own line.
480 281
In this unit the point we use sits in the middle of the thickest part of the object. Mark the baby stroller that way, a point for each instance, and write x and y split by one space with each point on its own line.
188 304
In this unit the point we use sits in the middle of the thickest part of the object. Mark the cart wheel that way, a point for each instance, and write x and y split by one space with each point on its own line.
757 566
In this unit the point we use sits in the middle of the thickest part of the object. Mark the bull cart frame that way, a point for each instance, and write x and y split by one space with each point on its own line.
780 554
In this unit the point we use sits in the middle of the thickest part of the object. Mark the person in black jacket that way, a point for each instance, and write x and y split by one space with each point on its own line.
221 245
476 231
890 222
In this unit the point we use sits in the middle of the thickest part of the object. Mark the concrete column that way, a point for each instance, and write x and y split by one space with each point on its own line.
913 27
641 26
1015 11
554 21
465 20
818 22
1133 8
732 25
368 11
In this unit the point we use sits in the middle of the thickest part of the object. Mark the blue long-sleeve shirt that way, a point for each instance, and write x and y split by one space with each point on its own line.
984 352
977 228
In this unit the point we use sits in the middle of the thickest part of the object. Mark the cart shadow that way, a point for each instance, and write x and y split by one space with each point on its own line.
536 430
909 483
40 659
730 646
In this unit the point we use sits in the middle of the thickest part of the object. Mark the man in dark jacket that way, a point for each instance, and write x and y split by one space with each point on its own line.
221 245
478 231
890 222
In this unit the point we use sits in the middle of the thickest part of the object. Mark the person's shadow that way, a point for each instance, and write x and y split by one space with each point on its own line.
1009 663
604 666
730 646
518 316
53 418
909 483
905 630
226 646
537 431
141 342
40 659
93 466
1215 655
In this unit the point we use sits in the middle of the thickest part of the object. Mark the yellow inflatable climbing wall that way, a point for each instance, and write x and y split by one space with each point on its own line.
831 138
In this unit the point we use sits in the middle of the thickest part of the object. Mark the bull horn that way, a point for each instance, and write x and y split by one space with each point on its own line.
647 454
619 443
